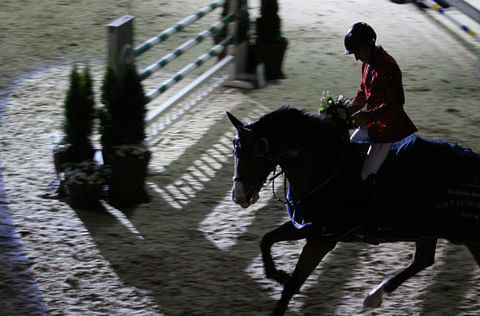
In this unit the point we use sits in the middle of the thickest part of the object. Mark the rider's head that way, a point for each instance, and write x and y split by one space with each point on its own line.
360 41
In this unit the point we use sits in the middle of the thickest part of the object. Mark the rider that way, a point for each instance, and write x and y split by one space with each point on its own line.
381 91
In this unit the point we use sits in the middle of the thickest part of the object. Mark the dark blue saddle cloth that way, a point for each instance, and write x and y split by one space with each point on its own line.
427 181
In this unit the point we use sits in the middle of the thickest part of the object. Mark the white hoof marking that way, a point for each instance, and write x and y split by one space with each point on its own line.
374 298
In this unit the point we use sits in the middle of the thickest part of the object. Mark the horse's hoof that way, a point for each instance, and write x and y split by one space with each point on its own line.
374 298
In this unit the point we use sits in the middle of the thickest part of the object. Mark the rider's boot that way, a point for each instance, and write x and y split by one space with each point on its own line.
377 201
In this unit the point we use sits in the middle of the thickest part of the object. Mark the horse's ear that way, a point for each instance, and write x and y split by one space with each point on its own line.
236 122
242 130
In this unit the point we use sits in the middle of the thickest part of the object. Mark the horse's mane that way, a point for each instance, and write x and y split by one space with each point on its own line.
295 121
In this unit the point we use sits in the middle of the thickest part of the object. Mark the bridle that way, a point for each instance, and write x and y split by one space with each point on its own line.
316 188
276 174
272 181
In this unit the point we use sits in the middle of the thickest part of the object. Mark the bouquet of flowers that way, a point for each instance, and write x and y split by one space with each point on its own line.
338 109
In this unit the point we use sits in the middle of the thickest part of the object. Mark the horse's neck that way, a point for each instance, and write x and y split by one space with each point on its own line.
306 170
312 168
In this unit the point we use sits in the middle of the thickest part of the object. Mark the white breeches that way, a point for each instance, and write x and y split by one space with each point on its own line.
376 153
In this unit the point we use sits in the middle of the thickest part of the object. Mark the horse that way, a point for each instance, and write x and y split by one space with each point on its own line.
426 190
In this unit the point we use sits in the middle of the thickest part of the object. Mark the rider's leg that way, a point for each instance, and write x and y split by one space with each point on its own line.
375 158
360 134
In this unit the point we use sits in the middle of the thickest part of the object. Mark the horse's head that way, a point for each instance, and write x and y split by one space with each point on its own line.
253 163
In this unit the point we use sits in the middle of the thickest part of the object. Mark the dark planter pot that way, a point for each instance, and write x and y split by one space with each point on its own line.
60 158
84 195
126 185
271 55
69 154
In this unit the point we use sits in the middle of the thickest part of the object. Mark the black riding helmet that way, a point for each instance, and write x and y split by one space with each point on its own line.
357 35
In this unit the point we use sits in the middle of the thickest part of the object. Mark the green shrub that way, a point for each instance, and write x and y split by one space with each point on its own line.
122 120
268 25
79 114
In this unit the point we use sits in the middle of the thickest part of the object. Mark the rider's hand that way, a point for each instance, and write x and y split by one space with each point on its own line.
342 114
361 118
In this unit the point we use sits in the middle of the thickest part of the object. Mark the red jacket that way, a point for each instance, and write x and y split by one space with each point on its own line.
382 91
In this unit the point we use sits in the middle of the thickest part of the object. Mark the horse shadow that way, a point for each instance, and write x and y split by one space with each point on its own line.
174 261
168 256
452 282
163 251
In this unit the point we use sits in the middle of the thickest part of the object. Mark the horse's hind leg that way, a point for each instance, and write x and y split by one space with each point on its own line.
423 257
285 232
475 250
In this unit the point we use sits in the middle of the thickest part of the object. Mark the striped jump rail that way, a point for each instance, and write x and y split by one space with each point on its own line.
120 34
214 51
435 6
180 50
145 46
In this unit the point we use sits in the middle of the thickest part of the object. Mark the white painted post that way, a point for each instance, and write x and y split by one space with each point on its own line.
120 42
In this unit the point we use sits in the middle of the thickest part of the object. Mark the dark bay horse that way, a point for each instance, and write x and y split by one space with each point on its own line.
426 190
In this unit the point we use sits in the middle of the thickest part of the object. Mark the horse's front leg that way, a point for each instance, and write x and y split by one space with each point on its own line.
423 257
285 232
312 253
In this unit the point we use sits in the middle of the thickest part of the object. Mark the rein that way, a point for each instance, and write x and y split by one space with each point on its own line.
314 189
272 180
332 176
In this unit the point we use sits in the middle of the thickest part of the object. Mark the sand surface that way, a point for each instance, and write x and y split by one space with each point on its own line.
191 251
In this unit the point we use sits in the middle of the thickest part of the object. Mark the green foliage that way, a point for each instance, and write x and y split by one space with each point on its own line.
110 96
133 107
79 107
338 109
122 120
327 101
268 24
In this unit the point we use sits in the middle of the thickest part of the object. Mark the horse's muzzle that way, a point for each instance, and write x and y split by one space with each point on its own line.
242 198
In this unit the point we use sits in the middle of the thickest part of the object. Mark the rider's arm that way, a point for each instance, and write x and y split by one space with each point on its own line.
386 93
360 99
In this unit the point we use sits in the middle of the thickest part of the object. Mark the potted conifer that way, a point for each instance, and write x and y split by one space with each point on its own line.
74 155
270 44
122 123
77 126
